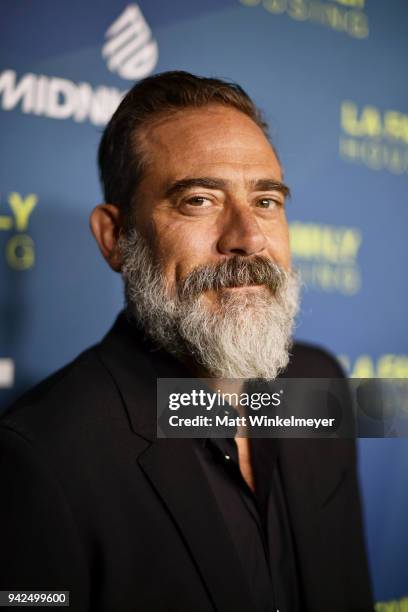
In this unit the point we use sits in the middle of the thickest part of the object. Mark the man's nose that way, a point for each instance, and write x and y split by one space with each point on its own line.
241 235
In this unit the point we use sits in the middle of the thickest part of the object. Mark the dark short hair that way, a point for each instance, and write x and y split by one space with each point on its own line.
120 164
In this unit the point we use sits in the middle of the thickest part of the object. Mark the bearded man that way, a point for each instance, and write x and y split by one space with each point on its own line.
93 502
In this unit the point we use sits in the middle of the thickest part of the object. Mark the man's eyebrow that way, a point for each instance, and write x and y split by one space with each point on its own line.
270 185
264 184
189 182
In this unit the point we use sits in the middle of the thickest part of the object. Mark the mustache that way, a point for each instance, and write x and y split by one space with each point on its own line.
235 272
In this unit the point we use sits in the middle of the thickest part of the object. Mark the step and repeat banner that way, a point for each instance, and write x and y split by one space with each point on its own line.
331 78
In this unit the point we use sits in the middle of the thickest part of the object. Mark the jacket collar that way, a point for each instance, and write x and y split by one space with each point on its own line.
135 363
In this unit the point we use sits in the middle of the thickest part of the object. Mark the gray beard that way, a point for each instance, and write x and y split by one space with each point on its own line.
246 335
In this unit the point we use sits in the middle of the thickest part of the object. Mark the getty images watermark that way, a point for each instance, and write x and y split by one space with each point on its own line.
286 407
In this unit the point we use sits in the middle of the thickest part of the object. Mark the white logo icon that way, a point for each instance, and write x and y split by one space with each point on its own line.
130 50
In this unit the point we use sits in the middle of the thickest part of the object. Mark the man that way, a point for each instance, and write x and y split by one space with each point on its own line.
93 502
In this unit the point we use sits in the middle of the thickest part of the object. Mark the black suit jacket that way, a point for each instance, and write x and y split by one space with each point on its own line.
93 503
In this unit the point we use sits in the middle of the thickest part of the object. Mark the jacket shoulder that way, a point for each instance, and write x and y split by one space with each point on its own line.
312 361
65 401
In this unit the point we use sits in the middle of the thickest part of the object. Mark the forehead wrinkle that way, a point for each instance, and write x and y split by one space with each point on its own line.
196 130
156 148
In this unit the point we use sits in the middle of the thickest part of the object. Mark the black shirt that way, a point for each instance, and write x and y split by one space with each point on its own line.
258 522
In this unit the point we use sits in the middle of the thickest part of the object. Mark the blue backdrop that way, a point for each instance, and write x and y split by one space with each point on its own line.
331 78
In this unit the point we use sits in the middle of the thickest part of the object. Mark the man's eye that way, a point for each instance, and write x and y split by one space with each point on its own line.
268 203
199 201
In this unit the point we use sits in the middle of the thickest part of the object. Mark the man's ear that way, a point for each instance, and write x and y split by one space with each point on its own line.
106 225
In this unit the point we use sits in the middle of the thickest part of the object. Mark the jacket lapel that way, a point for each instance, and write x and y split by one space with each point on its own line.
312 471
172 466
175 473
